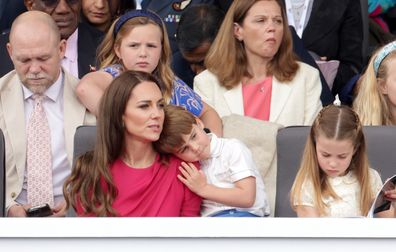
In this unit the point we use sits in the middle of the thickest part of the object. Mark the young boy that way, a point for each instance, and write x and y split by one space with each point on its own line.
228 181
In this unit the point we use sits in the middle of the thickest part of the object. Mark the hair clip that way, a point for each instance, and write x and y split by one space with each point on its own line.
337 101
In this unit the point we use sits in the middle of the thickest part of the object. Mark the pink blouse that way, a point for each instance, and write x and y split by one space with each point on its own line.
257 99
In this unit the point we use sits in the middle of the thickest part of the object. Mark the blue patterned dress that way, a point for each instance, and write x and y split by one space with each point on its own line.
182 95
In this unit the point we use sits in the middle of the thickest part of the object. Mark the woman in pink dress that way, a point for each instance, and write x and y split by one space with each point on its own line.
125 175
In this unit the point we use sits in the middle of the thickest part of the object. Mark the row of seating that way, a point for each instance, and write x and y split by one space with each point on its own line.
290 143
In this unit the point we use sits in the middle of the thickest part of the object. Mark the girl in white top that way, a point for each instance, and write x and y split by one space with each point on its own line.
228 181
334 179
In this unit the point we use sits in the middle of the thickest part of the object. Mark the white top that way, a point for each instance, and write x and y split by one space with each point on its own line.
298 13
53 106
70 61
231 161
348 189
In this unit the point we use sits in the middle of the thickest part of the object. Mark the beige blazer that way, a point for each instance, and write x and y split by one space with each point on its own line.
294 103
12 123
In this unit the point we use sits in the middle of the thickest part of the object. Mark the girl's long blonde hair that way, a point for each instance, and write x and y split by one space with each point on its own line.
338 123
106 54
370 104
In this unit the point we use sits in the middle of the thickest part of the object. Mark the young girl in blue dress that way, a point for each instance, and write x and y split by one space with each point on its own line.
138 41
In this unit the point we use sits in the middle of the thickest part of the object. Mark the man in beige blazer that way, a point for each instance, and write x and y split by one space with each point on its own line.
36 51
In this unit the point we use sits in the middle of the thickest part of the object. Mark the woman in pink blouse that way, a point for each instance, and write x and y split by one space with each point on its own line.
252 70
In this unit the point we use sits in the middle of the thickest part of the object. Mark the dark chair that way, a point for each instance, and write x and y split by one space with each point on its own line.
380 141
84 140
2 175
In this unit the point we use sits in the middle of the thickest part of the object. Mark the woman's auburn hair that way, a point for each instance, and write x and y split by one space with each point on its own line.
338 123
227 58
90 185
106 55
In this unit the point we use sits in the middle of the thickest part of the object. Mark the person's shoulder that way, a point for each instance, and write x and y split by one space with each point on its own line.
232 145
8 78
84 28
374 173
206 74
305 67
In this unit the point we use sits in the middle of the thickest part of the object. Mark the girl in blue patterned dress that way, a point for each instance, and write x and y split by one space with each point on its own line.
138 41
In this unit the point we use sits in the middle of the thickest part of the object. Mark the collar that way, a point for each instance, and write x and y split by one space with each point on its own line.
348 178
216 145
52 92
71 46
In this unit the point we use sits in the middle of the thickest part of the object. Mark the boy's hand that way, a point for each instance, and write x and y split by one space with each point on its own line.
193 178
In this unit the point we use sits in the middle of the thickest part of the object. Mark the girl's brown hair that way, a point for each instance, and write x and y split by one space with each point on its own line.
90 184
338 123
227 58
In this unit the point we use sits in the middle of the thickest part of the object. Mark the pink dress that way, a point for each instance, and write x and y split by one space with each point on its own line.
152 191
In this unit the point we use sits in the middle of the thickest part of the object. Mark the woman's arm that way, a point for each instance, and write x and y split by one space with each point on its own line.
243 195
91 88
211 120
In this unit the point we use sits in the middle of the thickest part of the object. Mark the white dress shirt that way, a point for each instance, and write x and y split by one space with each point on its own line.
70 61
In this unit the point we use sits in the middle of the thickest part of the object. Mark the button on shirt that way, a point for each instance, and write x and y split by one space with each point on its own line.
70 61
53 106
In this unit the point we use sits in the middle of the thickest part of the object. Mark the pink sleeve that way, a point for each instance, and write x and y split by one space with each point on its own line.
192 203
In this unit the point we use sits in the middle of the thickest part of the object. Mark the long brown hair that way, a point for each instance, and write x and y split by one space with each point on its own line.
227 58
91 185
338 123
107 56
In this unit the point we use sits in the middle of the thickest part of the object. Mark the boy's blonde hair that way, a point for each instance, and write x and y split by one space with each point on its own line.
178 122
337 123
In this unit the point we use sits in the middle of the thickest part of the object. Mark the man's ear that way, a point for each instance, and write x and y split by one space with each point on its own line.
382 86
62 48
9 49
29 4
